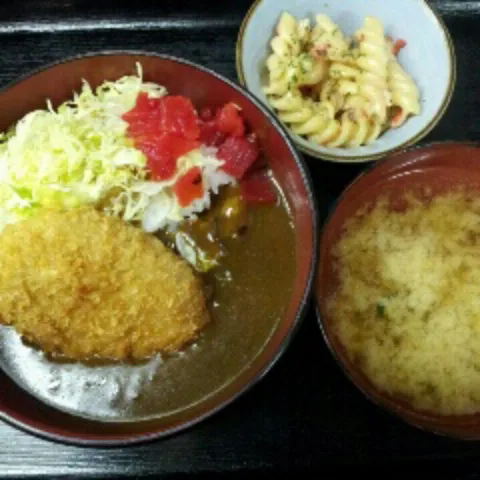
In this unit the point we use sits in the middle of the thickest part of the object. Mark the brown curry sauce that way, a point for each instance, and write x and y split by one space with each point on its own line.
249 291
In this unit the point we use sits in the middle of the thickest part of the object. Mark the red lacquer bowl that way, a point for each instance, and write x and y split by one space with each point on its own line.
204 87
440 167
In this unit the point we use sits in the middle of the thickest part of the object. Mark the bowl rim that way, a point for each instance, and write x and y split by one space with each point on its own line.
452 80
125 439
371 393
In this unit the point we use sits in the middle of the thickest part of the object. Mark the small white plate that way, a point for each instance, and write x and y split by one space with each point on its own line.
429 58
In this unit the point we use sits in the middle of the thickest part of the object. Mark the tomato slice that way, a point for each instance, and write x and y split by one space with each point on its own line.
168 127
143 118
162 152
162 165
229 121
169 114
206 114
177 115
210 135
258 188
144 106
189 187
238 154
214 129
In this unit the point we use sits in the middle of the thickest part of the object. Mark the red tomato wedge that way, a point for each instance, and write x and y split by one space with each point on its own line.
214 129
229 121
169 114
144 106
168 127
162 152
238 154
258 188
143 118
189 187
210 135
206 114
178 116
261 162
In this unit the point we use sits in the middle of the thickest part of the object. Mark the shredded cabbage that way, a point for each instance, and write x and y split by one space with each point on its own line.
80 155
74 156
161 205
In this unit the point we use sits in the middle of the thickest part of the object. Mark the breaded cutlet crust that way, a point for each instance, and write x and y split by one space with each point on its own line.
82 285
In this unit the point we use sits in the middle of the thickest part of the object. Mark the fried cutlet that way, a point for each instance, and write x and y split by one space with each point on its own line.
82 285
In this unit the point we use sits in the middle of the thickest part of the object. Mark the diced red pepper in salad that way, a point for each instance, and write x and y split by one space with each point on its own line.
189 187
258 188
398 45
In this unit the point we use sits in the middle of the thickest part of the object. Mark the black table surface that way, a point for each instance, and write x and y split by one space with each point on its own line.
305 415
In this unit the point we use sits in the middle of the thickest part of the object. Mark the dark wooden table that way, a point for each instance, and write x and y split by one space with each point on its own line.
304 415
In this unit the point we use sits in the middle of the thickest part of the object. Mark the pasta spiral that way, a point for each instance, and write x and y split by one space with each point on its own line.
317 121
329 42
286 46
287 66
348 131
327 39
405 94
291 108
320 116
341 83
373 61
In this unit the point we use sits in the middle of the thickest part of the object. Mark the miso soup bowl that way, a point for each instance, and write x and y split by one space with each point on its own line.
204 87
429 58
440 167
